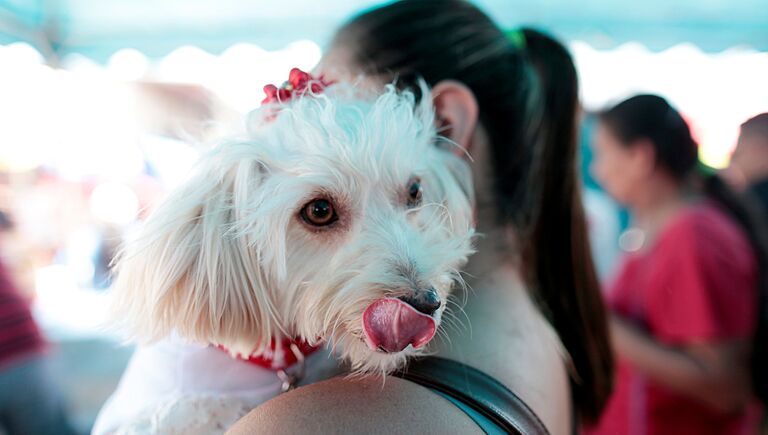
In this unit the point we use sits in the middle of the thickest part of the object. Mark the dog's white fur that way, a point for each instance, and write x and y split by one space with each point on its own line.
227 260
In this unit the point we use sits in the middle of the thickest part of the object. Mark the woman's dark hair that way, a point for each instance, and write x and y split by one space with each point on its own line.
527 98
651 117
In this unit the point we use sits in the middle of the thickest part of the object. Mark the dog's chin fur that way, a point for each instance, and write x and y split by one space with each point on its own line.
228 260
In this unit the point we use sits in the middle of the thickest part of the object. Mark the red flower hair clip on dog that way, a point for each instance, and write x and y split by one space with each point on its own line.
298 84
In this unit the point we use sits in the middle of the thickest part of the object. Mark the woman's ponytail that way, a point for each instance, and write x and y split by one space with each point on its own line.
557 251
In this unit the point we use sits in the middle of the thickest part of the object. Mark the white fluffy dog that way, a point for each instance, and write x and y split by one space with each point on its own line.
344 218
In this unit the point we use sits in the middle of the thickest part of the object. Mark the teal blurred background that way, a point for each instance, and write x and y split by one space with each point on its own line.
97 28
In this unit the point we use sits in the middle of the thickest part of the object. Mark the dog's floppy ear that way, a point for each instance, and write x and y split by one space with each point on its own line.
191 270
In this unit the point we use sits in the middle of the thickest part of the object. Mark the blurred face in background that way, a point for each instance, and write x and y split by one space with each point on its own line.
621 169
749 162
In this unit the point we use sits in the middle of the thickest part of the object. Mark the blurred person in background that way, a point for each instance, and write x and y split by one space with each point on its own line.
686 326
748 170
30 403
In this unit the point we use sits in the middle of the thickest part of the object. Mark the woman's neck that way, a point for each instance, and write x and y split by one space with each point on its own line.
493 244
485 314
500 331
658 203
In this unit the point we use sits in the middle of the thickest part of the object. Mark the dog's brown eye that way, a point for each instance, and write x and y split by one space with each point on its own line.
414 192
319 212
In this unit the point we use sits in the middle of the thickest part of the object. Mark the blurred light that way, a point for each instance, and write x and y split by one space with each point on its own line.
114 203
128 64
187 64
81 245
65 310
632 240
172 159
714 92
22 53
80 124
244 69
22 68
77 63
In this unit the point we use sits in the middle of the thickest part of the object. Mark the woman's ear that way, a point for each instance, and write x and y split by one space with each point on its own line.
457 112
645 155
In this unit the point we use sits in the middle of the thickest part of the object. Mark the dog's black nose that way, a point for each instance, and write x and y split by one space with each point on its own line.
425 301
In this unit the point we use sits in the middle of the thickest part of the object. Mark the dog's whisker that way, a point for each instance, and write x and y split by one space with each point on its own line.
460 309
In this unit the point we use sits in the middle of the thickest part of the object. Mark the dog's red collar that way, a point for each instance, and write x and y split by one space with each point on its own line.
279 357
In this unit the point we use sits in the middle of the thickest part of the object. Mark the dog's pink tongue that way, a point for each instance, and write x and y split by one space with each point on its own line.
391 325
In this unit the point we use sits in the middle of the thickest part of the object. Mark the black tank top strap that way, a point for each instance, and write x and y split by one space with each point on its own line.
482 394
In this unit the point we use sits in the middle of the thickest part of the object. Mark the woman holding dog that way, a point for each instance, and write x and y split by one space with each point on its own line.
535 328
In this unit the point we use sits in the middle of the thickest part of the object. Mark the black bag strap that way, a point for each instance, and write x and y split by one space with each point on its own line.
477 390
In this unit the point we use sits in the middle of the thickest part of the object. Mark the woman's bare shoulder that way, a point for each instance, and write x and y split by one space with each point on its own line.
369 405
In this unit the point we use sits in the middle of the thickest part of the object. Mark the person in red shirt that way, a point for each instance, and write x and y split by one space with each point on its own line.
686 324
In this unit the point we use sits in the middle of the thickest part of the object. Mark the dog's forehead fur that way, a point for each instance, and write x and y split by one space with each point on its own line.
384 139
358 149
